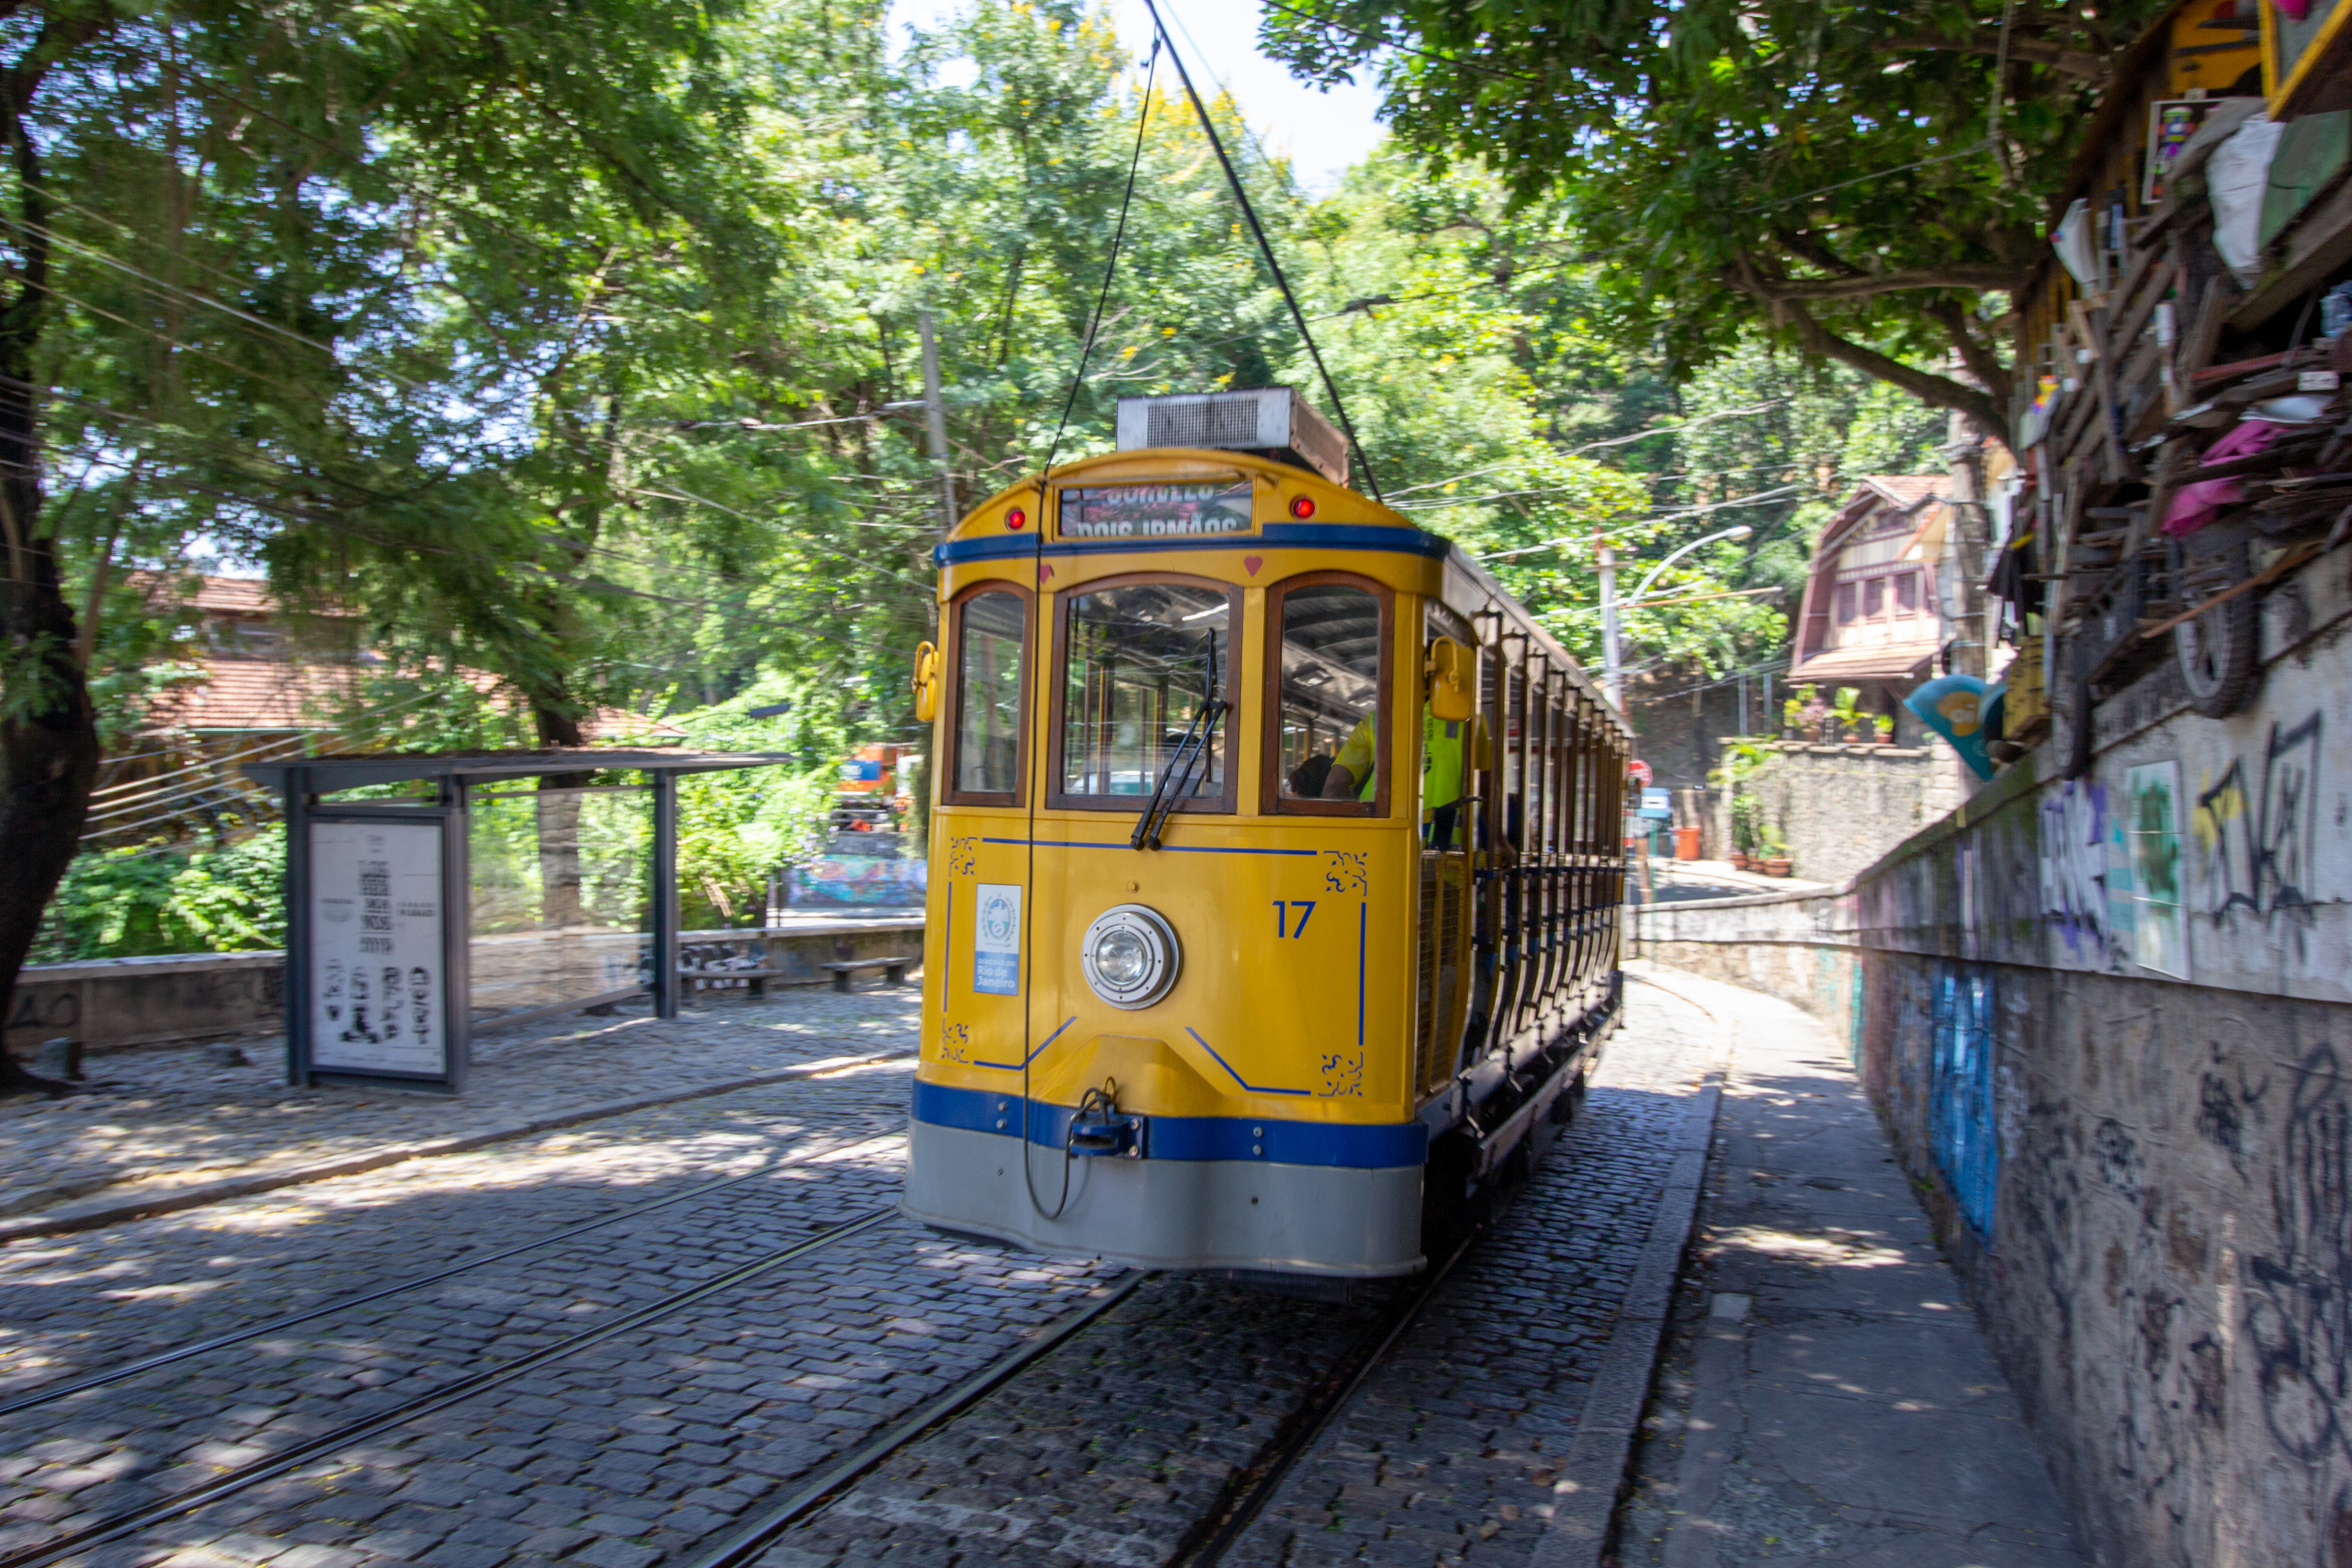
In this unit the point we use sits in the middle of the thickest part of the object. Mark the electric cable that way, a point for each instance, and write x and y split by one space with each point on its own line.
1037 555
1265 247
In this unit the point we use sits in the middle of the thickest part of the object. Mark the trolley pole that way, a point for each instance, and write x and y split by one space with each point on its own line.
935 422
1613 674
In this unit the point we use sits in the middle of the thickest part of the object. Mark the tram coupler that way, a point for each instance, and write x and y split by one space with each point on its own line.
1100 1130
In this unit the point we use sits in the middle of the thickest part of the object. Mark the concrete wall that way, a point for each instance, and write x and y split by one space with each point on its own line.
115 1003
2108 1023
1843 806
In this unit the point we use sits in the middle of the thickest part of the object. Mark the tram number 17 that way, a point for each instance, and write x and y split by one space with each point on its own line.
1282 908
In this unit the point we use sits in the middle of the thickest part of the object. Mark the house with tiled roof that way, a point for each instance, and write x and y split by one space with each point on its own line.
1873 617
252 692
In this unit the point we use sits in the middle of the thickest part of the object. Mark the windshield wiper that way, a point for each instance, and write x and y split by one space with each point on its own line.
1181 764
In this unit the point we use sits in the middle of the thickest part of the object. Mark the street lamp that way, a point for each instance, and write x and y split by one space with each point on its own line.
1612 669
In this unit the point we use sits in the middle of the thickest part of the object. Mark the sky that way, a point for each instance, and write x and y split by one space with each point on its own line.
1321 132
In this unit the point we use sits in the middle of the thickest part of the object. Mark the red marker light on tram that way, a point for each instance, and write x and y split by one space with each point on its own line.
1302 507
1016 520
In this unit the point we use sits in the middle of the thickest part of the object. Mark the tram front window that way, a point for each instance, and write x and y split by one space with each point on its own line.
1329 725
1141 659
987 694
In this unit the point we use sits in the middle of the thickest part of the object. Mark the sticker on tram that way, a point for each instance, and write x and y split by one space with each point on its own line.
1155 512
996 940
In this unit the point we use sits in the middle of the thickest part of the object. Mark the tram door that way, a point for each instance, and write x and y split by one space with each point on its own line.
1449 760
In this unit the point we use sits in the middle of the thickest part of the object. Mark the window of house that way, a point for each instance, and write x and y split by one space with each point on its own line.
992 629
1327 745
1140 662
1906 594
1874 598
1844 603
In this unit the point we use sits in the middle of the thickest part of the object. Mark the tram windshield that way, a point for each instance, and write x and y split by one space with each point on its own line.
1329 724
1140 662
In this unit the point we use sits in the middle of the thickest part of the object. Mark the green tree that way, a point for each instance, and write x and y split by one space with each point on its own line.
1853 177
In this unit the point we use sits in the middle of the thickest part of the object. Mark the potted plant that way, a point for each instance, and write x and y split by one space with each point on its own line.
1800 713
1884 724
1816 717
1747 812
1775 861
1848 713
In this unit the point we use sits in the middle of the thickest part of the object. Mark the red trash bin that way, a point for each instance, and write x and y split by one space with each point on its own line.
1687 843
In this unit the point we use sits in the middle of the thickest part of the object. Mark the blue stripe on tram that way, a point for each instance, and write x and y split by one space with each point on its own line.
1273 535
1375 1146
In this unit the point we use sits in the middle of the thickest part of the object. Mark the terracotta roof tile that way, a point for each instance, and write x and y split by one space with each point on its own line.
1906 489
271 694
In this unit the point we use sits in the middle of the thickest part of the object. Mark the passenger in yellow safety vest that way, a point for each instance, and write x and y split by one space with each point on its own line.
1354 771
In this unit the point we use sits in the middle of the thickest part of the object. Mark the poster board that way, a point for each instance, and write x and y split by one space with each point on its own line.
378 993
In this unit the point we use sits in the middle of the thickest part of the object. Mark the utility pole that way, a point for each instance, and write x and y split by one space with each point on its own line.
935 422
1612 675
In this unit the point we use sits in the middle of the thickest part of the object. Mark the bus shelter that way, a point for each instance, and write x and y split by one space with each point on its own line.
460 894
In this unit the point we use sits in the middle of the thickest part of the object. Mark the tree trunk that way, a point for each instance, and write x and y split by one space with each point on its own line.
48 733
560 901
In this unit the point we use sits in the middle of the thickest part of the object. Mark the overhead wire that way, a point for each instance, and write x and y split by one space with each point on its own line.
1265 247
1030 786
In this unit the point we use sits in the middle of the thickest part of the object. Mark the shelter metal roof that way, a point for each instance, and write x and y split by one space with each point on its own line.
326 775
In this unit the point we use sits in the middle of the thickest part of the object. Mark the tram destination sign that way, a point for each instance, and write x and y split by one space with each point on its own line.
1156 511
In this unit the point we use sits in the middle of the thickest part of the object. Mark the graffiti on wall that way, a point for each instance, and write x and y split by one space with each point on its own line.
839 880
2086 880
1963 1127
2152 825
2298 1313
2255 828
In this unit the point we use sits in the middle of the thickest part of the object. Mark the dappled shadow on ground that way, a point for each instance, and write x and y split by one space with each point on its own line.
157 1118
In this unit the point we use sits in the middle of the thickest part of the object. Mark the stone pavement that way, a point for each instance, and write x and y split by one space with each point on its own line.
1108 1451
647 1448
153 1122
1827 1397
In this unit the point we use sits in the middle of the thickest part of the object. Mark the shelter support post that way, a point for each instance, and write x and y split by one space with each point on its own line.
295 988
665 894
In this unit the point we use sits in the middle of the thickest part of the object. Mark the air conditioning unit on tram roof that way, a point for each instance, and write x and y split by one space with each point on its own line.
1267 422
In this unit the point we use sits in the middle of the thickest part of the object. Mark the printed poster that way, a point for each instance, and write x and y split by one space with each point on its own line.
376 983
996 940
2152 824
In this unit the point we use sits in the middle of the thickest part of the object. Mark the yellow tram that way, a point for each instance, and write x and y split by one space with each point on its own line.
1275 869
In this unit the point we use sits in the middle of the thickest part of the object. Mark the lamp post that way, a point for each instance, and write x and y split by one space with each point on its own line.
1613 667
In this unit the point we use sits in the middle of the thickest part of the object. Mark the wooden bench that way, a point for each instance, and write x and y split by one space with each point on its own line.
756 979
894 969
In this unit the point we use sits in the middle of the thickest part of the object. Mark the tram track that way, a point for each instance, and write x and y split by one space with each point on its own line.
133 1520
49 1394
1246 1495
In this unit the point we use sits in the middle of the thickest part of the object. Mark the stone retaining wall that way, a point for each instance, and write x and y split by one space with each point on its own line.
112 1003
1843 806
2109 1024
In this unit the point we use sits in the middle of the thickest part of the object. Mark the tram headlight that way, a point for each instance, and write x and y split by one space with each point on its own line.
1130 956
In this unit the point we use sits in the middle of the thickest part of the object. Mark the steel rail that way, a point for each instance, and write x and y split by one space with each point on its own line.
1247 1493
133 1520
747 1544
49 1393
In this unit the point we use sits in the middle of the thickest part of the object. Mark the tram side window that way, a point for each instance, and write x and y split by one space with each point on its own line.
1329 726
987 694
1141 658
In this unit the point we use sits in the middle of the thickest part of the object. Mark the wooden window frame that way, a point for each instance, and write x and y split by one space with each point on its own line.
951 703
1271 802
1225 803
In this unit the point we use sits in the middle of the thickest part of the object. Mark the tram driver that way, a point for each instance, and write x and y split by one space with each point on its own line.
1354 772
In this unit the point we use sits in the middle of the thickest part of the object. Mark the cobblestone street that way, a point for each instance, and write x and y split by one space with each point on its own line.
151 1120
676 1419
